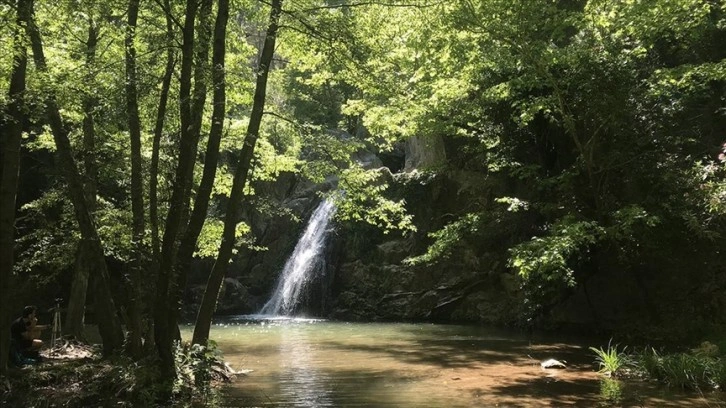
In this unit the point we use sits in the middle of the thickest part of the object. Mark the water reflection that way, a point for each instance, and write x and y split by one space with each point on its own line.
611 390
311 363
302 384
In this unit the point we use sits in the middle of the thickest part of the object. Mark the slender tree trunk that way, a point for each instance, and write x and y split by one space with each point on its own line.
89 125
154 169
75 314
201 203
214 283
11 131
74 323
137 186
108 322
201 69
163 334
158 131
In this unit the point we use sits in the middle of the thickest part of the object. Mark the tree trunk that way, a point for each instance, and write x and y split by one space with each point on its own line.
201 68
108 322
177 284
89 126
158 130
11 131
163 334
75 314
137 186
150 342
74 323
216 276
201 203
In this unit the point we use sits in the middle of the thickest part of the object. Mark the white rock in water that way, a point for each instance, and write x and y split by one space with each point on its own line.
552 363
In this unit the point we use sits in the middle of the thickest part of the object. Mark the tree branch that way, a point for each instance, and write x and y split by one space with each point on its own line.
363 4
168 12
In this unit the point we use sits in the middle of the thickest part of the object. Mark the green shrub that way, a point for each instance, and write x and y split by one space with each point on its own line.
194 370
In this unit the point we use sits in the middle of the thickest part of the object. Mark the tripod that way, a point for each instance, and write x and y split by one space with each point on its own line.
56 333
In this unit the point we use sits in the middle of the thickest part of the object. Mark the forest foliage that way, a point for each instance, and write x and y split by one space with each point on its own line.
604 123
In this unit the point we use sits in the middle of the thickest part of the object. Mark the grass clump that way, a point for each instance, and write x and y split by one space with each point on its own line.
611 360
702 367
697 369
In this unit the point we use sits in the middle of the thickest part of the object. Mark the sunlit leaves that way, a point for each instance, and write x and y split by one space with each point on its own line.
43 140
686 80
447 239
271 163
680 20
551 256
362 200
211 237
712 177
48 248
514 203
114 228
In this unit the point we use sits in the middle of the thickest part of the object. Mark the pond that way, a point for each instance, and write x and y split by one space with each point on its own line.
315 363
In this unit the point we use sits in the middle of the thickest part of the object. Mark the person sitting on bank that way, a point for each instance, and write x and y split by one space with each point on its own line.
25 331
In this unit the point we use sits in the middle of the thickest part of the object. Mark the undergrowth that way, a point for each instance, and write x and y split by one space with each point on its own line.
118 381
700 368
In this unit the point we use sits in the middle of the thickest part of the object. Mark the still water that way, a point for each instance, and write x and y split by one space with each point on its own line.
314 363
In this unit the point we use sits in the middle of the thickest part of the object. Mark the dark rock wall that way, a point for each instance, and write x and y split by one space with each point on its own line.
374 283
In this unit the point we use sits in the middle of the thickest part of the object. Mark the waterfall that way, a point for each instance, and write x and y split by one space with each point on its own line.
302 263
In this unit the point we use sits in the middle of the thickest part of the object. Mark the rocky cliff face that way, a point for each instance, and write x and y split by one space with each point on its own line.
375 282
422 153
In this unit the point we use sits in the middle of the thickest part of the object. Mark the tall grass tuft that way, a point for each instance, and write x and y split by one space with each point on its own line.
610 360
684 370
650 363
699 368
718 374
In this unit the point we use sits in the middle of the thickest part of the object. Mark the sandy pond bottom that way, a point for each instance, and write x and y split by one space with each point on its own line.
313 363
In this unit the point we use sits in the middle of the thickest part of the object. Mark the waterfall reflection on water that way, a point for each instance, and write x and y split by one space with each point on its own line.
301 264
304 384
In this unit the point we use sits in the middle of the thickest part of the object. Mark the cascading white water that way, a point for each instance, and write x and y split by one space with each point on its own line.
301 263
